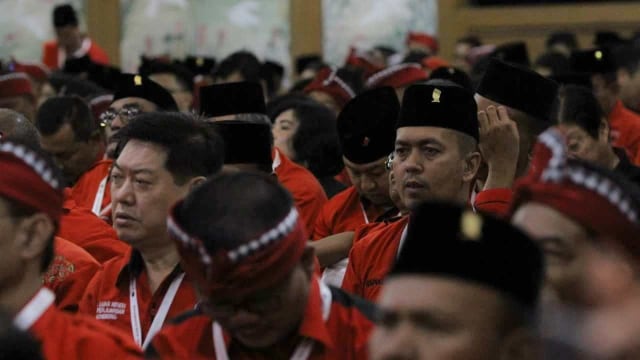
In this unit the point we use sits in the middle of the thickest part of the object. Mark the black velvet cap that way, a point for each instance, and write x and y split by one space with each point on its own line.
445 240
64 15
133 85
573 79
244 142
518 88
446 106
232 98
366 125
453 74
593 61
514 53
200 65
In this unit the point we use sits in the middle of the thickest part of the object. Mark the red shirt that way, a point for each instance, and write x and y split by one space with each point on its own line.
72 336
494 201
343 335
69 273
344 212
107 296
372 257
85 229
307 192
51 53
85 189
625 130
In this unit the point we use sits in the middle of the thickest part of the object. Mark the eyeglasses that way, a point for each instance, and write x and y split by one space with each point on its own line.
388 164
126 113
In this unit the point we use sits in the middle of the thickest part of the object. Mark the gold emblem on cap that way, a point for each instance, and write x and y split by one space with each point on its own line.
199 61
435 96
137 80
471 225
598 55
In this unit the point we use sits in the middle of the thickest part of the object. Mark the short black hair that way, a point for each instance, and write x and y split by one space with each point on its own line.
471 40
558 63
282 103
415 56
14 126
244 62
316 141
578 106
567 39
193 148
627 57
233 208
73 110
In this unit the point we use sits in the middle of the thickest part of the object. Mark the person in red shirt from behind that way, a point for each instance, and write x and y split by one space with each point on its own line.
259 298
83 228
138 291
30 207
435 157
366 129
70 43
238 110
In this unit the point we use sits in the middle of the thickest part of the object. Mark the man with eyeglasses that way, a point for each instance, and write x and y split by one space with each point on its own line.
134 95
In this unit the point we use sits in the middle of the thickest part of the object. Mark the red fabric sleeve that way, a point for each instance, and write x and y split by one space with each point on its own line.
69 274
494 201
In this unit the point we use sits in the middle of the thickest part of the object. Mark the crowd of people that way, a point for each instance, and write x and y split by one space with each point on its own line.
401 206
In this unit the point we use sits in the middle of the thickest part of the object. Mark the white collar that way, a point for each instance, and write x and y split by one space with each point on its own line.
276 160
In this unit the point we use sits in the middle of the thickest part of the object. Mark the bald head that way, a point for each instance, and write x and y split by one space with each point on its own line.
15 126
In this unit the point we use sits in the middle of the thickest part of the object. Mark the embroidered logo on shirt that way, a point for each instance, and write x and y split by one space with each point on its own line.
110 310
60 268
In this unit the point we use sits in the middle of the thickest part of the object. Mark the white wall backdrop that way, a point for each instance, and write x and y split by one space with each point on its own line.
365 23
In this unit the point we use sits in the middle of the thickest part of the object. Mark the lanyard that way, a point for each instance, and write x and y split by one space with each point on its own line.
403 237
302 351
364 213
97 202
34 309
158 320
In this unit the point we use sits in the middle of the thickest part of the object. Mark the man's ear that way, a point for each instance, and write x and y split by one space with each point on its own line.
472 163
195 182
33 235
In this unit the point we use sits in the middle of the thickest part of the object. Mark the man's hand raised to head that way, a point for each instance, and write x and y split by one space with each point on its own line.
499 146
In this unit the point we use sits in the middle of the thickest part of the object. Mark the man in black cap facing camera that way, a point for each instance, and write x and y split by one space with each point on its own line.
514 105
435 157
447 271
70 43
238 113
